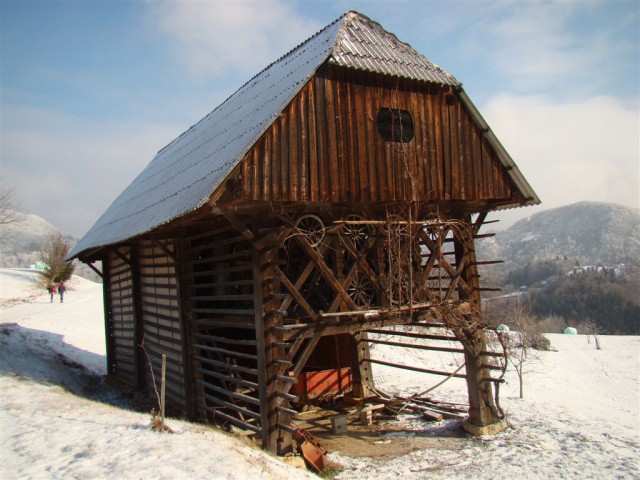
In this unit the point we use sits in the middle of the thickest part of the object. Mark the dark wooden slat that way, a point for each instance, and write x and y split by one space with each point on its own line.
236 396
236 421
224 351
227 366
416 347
414 369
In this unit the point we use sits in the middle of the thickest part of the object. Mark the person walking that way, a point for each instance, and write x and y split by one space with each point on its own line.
61 290
52 290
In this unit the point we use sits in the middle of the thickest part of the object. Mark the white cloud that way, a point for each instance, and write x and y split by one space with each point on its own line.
571 46
210 38
69 169
572 151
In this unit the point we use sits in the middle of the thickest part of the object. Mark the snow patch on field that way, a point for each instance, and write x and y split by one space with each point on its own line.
579 417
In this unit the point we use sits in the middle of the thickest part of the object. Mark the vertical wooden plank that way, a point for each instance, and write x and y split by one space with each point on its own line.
370 153
258 305
354 152
463 153
255 176
245 172
446 146
436 156
313 142
292 119
108 309
283 139
342 141
303 145
334 173
263 156
423 157
324 193
365 138
454 146
140 358
412 189
394 148
272 150
183 287
476 160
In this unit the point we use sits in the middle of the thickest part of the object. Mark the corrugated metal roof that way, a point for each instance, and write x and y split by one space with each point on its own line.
364 45
185 173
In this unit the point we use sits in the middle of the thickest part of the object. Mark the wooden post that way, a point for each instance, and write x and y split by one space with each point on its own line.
140 357
482 410
108 317
360 366
163 388
268 319
183 287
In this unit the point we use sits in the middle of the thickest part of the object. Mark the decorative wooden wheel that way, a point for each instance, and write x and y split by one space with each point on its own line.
312 227
361 291
358 233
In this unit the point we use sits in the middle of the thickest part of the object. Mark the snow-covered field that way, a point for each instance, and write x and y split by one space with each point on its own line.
579 417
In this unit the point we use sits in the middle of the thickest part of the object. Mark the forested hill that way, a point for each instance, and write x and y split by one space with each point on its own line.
584 233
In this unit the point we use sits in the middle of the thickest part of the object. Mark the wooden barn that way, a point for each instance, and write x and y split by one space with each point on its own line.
335 195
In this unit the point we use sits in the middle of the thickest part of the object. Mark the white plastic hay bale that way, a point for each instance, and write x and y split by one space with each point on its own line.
502 328
570 331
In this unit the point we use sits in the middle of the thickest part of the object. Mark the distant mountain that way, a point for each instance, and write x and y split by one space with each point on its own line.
22 241
586 232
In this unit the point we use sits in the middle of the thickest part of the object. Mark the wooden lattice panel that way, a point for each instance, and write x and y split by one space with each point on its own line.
121 316
160 310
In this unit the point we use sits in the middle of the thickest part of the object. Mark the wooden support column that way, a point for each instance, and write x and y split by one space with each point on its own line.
183 287
269 338
360 366
140 357
108 317
482 409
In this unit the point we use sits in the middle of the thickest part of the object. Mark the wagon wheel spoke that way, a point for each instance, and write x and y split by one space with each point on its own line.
361 291
312 227
358 233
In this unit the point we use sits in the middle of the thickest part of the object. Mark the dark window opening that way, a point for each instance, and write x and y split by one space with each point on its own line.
395 125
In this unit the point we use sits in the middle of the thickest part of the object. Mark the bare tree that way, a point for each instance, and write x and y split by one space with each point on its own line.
8 206
523 344
53 254
591 329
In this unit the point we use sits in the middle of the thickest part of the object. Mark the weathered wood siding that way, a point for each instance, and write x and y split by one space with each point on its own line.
160 310
120 315
221 311
326 147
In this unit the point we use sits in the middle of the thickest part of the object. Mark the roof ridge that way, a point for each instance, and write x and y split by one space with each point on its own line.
371 50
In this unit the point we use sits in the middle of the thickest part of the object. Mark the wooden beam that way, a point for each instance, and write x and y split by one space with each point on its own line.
325 271
95 269
415 369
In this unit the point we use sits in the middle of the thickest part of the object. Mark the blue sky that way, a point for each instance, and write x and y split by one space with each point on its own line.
91 90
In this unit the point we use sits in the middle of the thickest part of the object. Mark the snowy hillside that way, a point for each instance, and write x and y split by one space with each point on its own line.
59 420
21 241
587 232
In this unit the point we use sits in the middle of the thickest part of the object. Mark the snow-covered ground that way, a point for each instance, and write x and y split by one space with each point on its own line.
579 417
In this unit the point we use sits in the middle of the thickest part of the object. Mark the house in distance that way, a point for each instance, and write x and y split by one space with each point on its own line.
335 196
